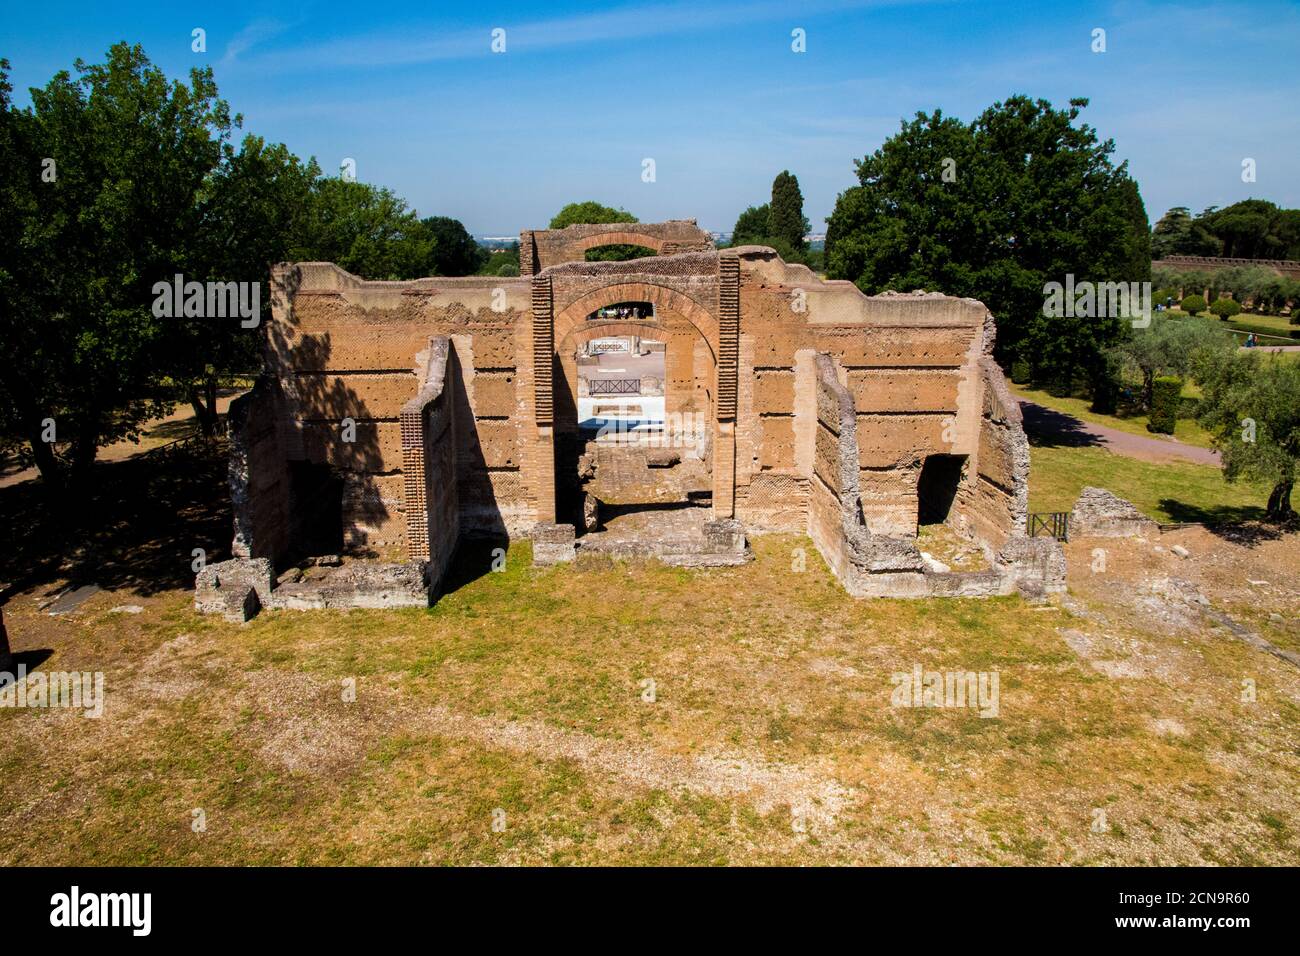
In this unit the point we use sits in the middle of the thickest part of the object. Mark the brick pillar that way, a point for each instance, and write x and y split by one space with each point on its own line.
414 482
527 253
724 442
724 470
544 396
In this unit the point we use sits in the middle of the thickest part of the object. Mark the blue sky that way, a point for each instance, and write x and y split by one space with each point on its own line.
711 91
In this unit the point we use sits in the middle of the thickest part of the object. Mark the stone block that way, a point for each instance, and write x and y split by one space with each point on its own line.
495 348
878 390
553 543
1101 514
900 439
1033 566
235 588
498 443
724 536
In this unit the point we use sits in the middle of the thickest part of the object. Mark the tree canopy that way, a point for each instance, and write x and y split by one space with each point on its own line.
594 214
454 251
118 178
751 225
589 213
995 209
1252 405
1169 346
108 172
1250 229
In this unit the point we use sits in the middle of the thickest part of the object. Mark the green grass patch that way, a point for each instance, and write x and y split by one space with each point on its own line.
1167 490
1186 431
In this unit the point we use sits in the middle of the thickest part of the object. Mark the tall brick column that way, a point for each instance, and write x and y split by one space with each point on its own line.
724 433
544 396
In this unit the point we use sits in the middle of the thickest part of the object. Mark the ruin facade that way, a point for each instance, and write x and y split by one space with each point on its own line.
396 419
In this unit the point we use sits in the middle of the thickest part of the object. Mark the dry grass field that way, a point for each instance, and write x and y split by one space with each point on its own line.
516 721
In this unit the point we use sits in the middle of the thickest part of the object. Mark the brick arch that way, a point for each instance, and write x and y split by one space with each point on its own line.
577 247
669 300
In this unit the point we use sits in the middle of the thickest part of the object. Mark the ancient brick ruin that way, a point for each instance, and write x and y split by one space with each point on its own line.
396 419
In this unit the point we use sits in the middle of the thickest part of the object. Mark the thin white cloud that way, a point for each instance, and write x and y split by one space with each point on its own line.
408 46
257 32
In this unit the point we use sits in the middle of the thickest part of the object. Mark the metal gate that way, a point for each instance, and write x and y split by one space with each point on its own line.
614 386
1055 524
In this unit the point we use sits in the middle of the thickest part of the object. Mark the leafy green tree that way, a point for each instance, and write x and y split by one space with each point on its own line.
1192 304
1250 229
131 153
251 211
589 213
1252 406
751 226
1169 346
785 218
23 282
365 229
995 210
455 253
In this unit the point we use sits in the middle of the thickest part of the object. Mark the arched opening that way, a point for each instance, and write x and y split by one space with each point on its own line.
634 424
617 252
616 246
626 311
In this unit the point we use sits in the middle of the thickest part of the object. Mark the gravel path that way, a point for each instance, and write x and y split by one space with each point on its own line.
1059 428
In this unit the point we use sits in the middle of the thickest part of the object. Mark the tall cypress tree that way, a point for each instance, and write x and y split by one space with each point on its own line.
785 219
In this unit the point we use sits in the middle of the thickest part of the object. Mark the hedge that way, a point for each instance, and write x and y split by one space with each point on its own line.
1021 373
1166 395
1264 330
1225 308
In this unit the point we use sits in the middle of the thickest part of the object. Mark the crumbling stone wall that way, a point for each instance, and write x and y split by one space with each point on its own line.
821 407
542 248
1103 514
993 500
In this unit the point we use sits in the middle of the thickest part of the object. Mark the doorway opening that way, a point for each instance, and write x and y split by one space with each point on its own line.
937 488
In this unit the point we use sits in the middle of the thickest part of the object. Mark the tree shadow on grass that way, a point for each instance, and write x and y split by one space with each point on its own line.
135 527
1048 428
1240 524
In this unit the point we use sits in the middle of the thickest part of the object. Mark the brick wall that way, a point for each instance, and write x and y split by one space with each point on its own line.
258 475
